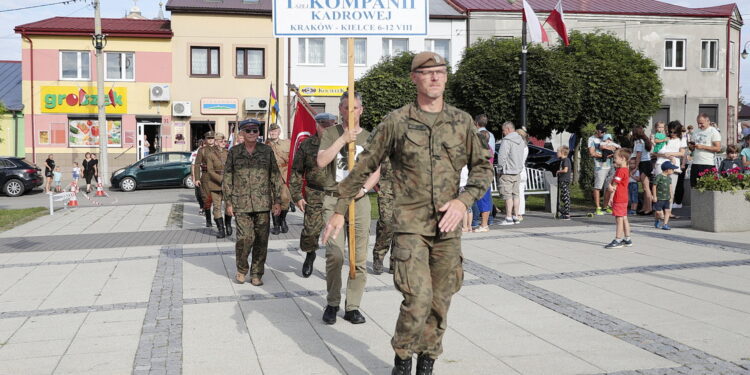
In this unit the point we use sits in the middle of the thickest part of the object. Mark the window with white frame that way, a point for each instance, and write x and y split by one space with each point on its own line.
709 55
440 46
394 46
360 51
75 65
120 66
311 51
674 54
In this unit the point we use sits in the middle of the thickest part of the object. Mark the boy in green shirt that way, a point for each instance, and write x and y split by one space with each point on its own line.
661 190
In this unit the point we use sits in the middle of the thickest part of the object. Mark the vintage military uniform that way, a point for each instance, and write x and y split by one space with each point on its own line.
202 169
215 158
427 152
280 149
252 185
384 228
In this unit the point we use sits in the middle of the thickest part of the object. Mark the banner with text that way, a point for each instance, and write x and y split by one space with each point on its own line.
350 17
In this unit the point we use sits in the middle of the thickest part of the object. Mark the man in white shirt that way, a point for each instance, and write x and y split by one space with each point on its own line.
706 142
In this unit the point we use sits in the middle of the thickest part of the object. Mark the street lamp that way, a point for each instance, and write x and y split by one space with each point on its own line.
744 51
522 72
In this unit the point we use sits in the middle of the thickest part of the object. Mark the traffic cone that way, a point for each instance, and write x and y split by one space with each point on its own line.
73 202
100 189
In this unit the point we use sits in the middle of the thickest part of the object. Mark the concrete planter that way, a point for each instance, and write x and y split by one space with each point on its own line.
717 211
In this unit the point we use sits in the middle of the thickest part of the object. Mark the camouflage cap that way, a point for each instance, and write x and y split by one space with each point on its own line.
247 124
274 127
208 135
219 135
427 60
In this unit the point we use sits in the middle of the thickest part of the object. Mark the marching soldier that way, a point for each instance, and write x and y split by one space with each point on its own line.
200 170
305 166
252 187
215 158
428 142
281 151
384 228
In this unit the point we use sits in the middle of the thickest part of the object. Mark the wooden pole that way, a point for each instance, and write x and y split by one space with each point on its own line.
352 149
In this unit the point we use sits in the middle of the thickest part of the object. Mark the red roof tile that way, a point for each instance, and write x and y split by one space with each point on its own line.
630 7
113 27
223 6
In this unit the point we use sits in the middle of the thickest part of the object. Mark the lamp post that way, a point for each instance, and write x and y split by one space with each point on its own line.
99 41
744 51
522 72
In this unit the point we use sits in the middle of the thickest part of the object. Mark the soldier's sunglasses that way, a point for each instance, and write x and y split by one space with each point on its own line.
251 130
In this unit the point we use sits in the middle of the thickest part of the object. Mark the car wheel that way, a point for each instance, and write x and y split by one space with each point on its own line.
127 184
14 188
188 183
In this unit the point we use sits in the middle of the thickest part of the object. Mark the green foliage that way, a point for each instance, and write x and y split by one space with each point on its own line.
731 180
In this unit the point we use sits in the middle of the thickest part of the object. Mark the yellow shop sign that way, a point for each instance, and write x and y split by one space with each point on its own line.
316 90
72 99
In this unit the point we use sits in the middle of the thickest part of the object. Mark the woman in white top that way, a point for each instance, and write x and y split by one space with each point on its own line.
673 151
522 177
642 153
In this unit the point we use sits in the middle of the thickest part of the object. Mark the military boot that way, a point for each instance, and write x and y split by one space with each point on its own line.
275 229
424 365
208 218
282 221
220 228
228 223
402 366
377 265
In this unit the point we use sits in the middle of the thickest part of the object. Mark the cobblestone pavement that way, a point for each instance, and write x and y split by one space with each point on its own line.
533 302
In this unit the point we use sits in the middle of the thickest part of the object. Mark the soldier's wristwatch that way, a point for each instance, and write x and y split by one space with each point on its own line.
364 190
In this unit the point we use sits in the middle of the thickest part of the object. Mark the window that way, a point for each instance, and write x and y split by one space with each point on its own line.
204 61
5 163
709 55
177 158
153 160
674 54
732 58
120 66
360 51
75 65
712 110
394 46
311 51
440 46
251 62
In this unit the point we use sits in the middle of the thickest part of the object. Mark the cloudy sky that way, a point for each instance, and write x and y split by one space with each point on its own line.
10 43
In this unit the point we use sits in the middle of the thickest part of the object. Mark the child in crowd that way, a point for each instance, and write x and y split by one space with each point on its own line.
76 172
618 200
663 193
57 179
564 176
659 139
745 153
733 159
633 186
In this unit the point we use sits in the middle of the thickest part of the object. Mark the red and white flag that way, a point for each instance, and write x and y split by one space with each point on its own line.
536 31
557 21
304 127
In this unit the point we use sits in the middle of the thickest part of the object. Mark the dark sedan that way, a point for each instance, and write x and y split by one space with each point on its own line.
17 176
539 158
161 169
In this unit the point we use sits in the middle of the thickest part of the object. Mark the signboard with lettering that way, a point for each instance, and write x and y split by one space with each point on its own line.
350 17
321 90
75 99
217 106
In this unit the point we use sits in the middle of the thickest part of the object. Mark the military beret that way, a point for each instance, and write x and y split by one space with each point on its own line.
247 124
426 60
208 134
219 135
325 116
274 127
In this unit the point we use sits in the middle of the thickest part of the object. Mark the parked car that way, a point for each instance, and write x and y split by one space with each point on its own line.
17 176
539 157
160 169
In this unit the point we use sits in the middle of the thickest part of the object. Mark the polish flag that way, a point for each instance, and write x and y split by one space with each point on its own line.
557 21
304 127
536 31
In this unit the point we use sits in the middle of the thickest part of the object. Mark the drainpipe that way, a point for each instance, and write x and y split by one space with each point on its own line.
468 29
31 110
731 128
289 82
15 126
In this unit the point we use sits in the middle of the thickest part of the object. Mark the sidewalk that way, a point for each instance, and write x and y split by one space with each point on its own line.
148 290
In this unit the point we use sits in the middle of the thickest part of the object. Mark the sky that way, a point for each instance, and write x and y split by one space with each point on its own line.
10 42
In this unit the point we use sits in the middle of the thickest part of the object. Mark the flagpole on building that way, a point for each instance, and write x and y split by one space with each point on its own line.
99 41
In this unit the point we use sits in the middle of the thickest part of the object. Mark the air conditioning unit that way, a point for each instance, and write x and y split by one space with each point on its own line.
159 93
255 104
181 109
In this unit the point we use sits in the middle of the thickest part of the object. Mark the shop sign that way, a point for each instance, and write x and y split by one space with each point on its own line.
218 106
73 99
317 90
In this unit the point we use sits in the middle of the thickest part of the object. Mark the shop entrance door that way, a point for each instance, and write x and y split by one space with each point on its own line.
197 131
149 138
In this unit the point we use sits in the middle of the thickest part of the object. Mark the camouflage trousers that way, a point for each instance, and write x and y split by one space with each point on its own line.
428 271
215 202
308 240
252 235
384 228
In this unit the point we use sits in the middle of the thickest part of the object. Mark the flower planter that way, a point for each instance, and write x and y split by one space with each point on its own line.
717 211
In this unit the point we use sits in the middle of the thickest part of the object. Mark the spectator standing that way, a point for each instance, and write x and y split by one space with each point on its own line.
510 161
619 200
745 153
705 144
523 176
57 178
633 185
76 172
49 168
732 161
602 153
663 194
674 152
564 177
642 147
96 167
484 204
89 170
745 129
481 123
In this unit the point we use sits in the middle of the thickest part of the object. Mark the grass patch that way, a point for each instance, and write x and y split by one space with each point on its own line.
15 217
579 201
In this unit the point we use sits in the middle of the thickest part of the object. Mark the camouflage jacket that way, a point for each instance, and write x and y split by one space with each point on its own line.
385 184
215 159
427 159
252 182
305 165
281 151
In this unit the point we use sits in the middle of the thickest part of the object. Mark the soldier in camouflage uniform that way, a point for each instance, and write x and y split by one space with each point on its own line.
200 173
215 159
428 142
305 166
384 229
252 187
281 151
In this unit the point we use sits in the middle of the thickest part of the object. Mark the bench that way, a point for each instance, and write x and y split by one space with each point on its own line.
538 182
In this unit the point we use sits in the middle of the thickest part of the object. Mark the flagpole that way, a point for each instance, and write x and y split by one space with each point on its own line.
524 52
351 101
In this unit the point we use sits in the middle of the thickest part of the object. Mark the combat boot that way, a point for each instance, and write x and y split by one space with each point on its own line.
377 265
282 221
220 228
307 266
424 365
402 366
228 223
275 229
208 218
